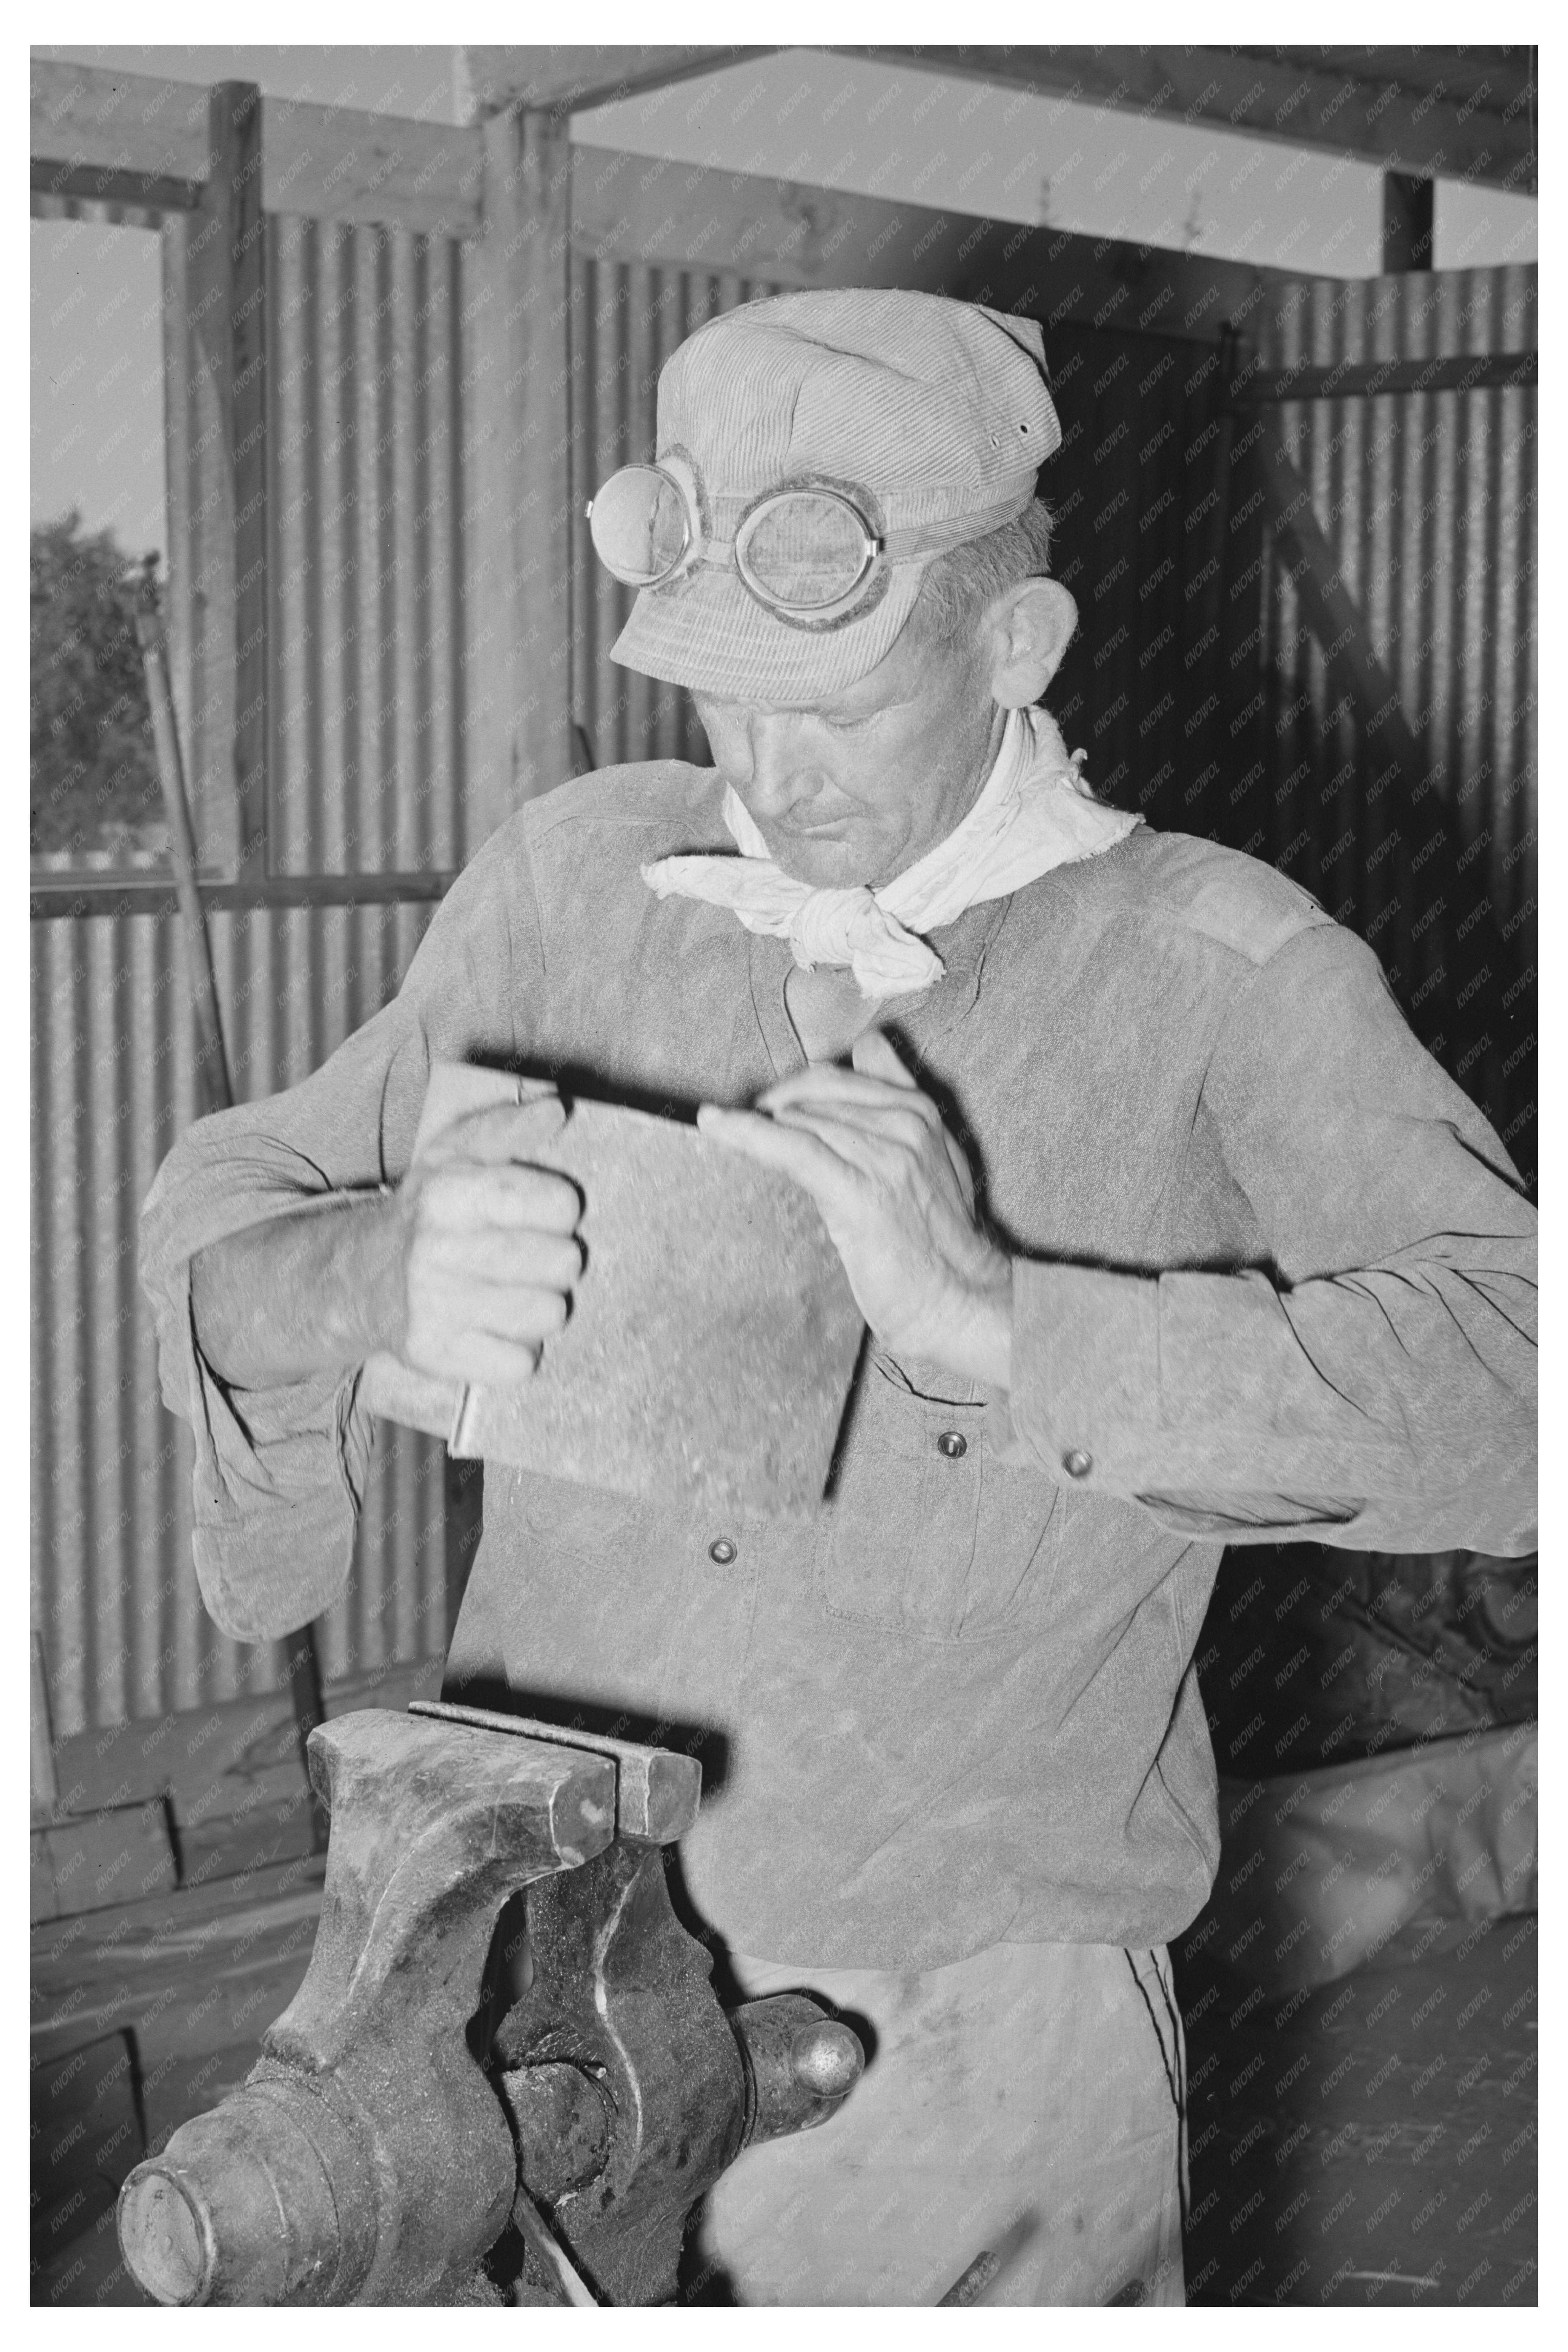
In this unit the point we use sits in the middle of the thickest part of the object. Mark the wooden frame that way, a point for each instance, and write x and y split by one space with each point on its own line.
111 138
1412 110
1468 113
209 165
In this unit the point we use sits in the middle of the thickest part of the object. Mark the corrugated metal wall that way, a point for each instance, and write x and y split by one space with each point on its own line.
114 1083
1428 502
1205 701
368 551
369 562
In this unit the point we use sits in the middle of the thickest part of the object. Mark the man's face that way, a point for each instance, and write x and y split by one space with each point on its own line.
857 787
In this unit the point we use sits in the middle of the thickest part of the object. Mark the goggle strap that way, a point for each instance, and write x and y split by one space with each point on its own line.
916 539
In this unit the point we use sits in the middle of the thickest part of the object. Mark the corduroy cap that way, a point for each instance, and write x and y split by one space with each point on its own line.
939 410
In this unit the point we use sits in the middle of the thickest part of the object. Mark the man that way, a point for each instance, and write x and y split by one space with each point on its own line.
1166 1230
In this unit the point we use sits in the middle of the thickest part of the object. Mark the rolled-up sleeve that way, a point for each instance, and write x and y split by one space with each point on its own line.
279 1472
1372 1384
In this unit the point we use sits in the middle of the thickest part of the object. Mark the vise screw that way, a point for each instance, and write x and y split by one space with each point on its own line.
506 2077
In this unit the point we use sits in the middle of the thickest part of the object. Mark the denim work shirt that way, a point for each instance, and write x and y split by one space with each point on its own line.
1274 1278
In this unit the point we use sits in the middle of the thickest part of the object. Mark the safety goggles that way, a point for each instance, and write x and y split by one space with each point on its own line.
811 552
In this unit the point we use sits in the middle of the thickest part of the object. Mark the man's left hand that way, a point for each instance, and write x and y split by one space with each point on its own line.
897 1198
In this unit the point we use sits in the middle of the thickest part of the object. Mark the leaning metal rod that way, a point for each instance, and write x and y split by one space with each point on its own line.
301 1656
212 1064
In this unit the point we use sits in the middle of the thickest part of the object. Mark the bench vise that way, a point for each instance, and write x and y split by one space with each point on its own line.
506 2077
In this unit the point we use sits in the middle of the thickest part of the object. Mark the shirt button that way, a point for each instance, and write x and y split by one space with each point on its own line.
1078 1464
952 1443
723 1549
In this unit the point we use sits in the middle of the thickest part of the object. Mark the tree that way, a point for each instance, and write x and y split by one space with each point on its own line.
94 769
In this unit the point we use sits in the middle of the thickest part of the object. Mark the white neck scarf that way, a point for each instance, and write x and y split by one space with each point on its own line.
1036 811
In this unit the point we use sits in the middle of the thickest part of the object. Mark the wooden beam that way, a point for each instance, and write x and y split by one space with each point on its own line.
1381 114
335 162
185 463
218 425
132 139
222 1749
1331 613
62 897
633 208
44 1786
560 79
85 120
1367 379
1407 209
641 208
522 368
93 184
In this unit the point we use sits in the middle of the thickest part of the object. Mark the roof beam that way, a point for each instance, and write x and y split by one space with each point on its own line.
562 80
1372 113
627 207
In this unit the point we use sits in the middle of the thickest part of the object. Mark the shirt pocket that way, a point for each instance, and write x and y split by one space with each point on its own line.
926 1533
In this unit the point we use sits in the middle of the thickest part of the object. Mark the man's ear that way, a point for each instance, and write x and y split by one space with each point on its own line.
1033 625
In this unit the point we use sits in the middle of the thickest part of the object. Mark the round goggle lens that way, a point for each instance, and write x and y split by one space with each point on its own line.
804 550
638 525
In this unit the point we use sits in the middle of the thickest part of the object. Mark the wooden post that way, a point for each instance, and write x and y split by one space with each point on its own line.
45 1791
522 366
1406 221
218 438
1212 627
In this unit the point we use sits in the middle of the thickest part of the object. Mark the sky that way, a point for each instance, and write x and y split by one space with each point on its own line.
901 133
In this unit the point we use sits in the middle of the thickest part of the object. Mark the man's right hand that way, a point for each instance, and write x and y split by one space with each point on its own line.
490 1256
463 1271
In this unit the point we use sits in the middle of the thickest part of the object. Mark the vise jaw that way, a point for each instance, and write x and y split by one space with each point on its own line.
506 2049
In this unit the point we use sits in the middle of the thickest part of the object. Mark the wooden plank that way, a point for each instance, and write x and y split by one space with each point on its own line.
214 424
67 897
640 208
1215 622
87 119
239 1741
234 192
189 1971
1331 613
562 78
632 208
521 367
111 1857
183 616
274 1823
59 185
236 1746
1380 113
137 139
44 1787
335 162
1366 379
1303 320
